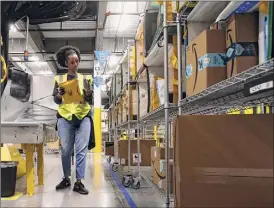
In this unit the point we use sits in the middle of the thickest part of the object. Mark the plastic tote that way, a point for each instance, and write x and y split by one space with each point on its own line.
8 178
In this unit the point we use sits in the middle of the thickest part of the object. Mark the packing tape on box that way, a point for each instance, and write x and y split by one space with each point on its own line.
211 60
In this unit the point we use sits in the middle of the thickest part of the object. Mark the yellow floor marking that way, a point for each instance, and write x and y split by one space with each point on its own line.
16 196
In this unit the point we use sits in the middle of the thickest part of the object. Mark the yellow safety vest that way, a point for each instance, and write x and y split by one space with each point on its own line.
78 109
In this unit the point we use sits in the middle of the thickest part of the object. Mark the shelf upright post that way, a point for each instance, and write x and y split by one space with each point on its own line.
115 134
166 105
128 102
179 57
138 119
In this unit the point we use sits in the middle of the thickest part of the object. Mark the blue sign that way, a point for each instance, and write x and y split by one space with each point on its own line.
98 81
102 56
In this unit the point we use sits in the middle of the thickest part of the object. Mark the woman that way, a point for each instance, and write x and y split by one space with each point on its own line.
74 123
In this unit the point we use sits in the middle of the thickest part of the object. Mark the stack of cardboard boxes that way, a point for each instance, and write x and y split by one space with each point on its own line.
158 166
222 52
145 156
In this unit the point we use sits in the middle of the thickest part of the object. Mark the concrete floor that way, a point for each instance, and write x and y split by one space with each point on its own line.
104 186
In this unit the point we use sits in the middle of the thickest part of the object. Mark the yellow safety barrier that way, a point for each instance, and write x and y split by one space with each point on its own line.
25 167
10 153
4 66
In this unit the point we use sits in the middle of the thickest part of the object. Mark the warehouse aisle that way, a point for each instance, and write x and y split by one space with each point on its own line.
103 190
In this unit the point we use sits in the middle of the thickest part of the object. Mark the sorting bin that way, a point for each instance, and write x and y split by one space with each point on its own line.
8 178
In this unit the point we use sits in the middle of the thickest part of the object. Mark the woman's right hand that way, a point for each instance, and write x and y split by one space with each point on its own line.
61 92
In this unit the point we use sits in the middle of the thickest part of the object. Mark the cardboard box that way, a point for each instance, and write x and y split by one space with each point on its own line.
133 105
221 25
224 161
109 148
54 145
205 61
243 30
159 174
145 149
158 153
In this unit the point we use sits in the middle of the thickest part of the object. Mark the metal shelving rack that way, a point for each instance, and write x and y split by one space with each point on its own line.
128 125
164 113
230 92
217 99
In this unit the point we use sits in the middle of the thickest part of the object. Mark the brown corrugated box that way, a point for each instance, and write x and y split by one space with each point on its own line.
220 25
54 145
159 174
208 42
145 150
109 148
242 29
158 153
224 161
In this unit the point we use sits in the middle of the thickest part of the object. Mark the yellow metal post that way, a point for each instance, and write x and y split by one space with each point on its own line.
30 169
40 164
98 130
98 171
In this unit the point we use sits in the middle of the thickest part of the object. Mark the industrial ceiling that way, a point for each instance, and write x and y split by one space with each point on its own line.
103 26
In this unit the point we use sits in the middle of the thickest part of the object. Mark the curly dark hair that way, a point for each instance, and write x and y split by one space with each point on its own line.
63 53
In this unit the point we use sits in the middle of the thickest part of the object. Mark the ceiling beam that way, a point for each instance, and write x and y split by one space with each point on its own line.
102 8
85 45
59 30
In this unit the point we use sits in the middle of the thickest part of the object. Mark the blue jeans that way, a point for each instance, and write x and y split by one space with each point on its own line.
70 135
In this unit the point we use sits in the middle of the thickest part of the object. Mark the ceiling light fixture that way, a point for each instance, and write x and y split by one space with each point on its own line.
13 28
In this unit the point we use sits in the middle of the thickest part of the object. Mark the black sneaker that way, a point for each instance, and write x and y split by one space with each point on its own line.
63 184
80 188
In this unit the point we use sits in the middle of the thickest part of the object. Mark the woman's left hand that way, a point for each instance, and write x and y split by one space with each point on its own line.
87 87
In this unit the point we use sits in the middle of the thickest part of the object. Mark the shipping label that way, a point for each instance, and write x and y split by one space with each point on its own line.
211 60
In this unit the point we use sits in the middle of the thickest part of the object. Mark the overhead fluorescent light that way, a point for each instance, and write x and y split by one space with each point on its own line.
13 28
